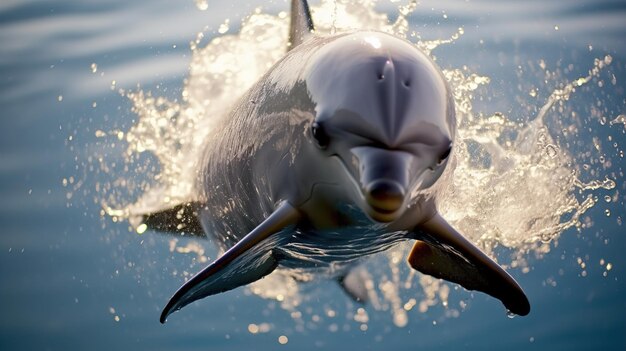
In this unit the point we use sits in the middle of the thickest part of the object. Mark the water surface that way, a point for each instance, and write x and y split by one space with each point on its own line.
73 278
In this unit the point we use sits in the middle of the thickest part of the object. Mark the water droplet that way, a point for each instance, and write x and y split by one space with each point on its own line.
542 64
620 119
202 5
283 339
551 150
94 68
224 27
253 328
142 228
546 237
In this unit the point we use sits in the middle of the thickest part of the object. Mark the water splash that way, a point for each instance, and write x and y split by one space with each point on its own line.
515 184
202 5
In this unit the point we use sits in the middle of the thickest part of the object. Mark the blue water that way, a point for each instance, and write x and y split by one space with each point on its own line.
74 280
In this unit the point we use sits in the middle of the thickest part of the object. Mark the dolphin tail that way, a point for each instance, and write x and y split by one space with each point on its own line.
247 261
301 26
181 219
444 253
354 284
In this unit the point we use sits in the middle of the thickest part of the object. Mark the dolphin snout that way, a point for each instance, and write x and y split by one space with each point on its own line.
385 195
384 181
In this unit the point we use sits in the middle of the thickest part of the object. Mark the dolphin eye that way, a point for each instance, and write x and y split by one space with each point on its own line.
444 156
319 135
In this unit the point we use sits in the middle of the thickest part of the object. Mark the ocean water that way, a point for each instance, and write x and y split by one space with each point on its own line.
93 96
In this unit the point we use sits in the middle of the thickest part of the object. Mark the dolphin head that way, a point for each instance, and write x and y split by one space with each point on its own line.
384 110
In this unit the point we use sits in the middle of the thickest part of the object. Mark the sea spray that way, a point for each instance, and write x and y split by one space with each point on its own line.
515 185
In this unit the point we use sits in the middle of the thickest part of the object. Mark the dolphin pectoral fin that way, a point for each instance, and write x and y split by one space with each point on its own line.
181 219
354 284
216 279
247 261
444 253
301 26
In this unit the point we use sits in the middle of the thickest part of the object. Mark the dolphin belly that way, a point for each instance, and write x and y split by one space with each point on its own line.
326 250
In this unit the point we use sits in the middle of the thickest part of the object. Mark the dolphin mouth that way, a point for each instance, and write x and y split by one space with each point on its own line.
382 215
387 208
383 210
385 199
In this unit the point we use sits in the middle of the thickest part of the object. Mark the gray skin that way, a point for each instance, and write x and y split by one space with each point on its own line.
386 121
335 154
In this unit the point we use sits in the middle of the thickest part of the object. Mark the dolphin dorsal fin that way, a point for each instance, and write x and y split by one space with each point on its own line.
301 26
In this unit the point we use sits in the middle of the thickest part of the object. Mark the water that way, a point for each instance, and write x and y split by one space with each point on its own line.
547 161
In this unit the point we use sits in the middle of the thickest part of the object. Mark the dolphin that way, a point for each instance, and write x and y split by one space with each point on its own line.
336 153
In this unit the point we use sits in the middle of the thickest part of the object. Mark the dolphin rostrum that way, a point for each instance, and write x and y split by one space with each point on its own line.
337 152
